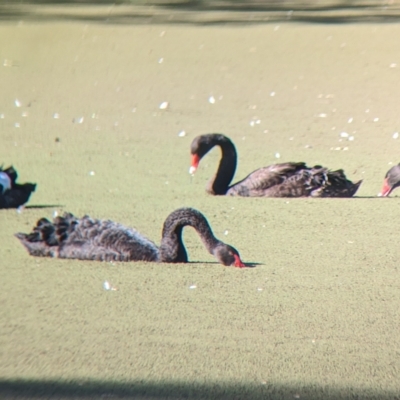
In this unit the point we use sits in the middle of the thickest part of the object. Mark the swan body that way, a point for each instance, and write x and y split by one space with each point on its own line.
92 239
12 194
293 179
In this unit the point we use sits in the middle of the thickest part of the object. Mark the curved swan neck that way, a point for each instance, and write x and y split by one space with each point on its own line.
172 248
219 184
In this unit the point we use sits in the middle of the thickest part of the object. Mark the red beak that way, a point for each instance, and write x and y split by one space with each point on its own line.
238 262
386 189
195 163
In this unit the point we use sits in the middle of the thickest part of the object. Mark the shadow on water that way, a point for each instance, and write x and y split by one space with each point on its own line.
201 12
21 389
39 206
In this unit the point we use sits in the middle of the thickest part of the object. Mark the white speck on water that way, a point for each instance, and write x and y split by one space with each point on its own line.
94 115
92 173
78 120
393 65
220 97
350 120
276 28
260 289
25 114
226 232
344 134
211 99
367 110
17 125
2 116
162 33
164 105
20 209
258 122
55 213
376 119
395 135
351 138
291 138
134 109
17 103
56 115
166 182
252 123
116 123
277 155
192 287
106 285
272 94
322 115
161 60
182 134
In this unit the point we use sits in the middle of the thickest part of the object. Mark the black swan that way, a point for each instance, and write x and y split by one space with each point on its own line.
93 239
12 194
277 180
391 181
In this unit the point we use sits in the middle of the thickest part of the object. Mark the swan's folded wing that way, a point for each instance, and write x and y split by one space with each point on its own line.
277 180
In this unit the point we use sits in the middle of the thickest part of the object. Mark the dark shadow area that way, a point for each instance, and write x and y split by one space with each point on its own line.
248 264
38 206
21 389
201 12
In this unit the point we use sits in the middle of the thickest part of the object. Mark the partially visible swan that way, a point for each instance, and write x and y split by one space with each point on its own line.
391 181
93 239
12 194
277 180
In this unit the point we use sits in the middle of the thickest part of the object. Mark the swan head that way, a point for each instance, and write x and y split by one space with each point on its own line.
5 182
391 181
228 255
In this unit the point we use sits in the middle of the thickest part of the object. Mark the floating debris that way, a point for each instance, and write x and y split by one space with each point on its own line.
211 99
164 105
161 60
393 65
272 94
182 134
17 103
92 173
322 115
395 135
56 115
226 232
17 125
25 114
344 134
107 286
350 120
277 155
78 120
192 287
376 119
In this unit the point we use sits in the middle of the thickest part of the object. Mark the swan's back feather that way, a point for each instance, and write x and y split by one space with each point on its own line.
294 180
88 239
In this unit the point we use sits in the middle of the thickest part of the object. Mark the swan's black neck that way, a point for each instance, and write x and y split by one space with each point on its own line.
219 183
172 248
